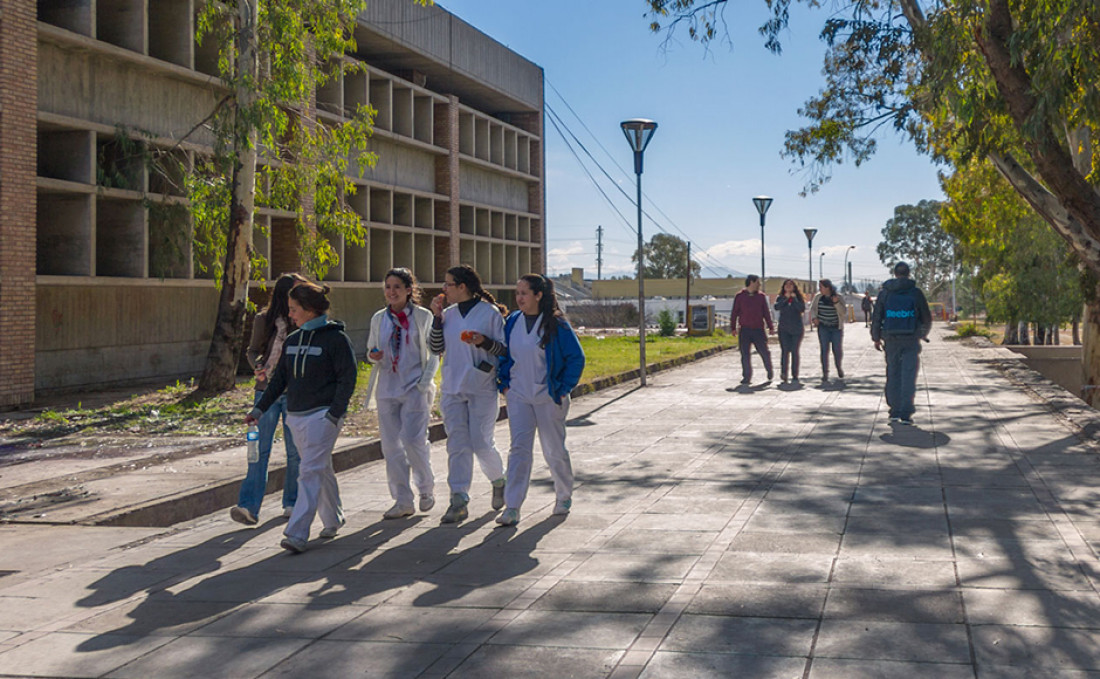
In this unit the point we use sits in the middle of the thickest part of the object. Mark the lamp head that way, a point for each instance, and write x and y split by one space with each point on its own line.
638 132
762 204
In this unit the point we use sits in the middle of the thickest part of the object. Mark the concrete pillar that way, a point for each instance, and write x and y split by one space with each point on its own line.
447 176
18 163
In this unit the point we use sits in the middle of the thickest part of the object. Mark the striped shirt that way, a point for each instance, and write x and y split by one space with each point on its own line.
826 313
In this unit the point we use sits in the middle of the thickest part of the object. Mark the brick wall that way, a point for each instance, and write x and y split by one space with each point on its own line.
18 139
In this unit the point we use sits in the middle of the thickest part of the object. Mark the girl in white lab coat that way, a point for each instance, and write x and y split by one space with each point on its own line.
401 382
543 364
469 327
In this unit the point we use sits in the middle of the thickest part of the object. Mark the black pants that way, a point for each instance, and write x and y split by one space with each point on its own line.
790 343
830 336
747 338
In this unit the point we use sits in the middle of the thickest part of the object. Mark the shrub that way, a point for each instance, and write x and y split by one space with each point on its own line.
666 322
972 329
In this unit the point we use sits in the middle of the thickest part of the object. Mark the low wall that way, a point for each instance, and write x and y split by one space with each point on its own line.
1060 364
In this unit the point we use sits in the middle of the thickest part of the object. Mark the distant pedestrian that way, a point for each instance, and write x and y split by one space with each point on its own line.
827 314
269 331
790 305
402 383
318 372
901 320
750 314
868 305
469 327
543 363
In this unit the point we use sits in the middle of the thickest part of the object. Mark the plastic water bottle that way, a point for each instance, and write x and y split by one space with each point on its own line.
253 439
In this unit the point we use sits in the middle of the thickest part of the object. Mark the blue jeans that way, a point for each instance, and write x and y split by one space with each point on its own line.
789 344
830 337
902 364
254 485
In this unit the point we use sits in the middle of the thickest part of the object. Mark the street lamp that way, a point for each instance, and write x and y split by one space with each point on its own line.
821 265
762 204
638 132
844 272
810 233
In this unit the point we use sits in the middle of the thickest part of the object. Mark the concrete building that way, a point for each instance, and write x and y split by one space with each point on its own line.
117 294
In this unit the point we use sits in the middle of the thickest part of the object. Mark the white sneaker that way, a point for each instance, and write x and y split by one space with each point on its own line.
331 531
498 494
509 517
287 511
398 511
427 502
561 507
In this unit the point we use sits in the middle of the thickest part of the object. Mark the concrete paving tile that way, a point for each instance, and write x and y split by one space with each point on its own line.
1036 607
440 591
671 665
794 523
739 568
434 625
749 636
1022 573
640 540
69 654
930 523
572 629
1038 649
635 567
786 543
725 504
608 597
677 522
23 614
1042 528
339 588
758 601
274 620
828 668
924 498
360 659
491 566
992 548
536 661
873 571
907 641
152 616
895 605
231 586
559 539
919 546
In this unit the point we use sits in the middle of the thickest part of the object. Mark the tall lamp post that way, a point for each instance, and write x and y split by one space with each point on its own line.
810 233
844 273
638 132
762 204
821 265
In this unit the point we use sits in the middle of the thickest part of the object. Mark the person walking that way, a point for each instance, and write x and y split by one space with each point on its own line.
747 320
901 320
402 383
827 314
868 305
543 363
318 372
790 305
469 326
269 331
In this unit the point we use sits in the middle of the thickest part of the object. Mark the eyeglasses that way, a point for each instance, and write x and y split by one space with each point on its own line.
449 285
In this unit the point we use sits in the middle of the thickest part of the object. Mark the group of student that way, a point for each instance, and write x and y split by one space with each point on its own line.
752 312
307 377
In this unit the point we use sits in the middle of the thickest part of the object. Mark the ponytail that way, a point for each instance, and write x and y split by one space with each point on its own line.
464 274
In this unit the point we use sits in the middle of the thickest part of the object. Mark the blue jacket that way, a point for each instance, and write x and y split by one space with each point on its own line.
564 359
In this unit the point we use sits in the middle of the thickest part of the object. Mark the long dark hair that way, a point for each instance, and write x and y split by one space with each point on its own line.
797 292
312 297
406 276
464 274
829 284
548 304
278 306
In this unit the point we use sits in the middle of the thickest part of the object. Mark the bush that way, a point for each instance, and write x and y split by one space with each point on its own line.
666 322
972 329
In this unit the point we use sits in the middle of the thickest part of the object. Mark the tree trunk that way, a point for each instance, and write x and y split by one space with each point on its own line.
1056 331
1038 331
1022 333
1076 332
1090 353
220 372
1012 333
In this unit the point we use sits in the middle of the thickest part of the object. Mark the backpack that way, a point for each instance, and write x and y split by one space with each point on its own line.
900 313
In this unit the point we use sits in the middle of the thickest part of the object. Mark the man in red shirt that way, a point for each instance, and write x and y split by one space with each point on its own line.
750 313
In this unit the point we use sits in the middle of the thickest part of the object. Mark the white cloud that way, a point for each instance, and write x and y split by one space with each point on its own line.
837 250
735 248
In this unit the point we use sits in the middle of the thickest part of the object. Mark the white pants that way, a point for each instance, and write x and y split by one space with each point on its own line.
470 420
403 428
317 489
524 418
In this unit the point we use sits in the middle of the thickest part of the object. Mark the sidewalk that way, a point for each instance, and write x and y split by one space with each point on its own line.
750 533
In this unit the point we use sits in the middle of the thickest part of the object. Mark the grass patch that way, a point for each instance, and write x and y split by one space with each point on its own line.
969 329
618 354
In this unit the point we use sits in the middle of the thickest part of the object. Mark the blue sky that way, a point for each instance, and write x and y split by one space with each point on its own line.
721 115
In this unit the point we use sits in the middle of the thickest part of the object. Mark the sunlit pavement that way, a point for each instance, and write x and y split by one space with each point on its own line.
716 531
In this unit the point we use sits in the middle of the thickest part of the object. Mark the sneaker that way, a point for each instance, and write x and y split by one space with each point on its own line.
509 517
894 418
824 379
771 376
398 511
561 507
839 374
746 381
242 515
293 545
784 379
427 502
287 511
498 494
331 531
794 380
906 420
457 511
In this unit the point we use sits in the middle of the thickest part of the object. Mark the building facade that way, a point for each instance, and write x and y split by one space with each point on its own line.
118 295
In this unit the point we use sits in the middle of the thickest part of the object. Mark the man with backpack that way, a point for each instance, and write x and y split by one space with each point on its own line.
901 320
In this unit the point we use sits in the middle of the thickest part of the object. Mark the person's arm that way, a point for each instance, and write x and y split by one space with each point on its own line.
765 310
343 363
505 362
876 319
276 385
799 305
372 337
435 340
257 343
573 358
735 313
813 309
924 315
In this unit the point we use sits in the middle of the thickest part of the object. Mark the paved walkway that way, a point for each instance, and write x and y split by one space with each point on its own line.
752 533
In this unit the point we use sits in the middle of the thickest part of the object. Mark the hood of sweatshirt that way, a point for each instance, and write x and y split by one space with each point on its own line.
306 333
898 284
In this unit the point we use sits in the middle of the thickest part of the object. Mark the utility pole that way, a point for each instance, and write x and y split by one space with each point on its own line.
599 252
687 298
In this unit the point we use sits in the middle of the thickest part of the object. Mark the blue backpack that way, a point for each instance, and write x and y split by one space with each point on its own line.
900 313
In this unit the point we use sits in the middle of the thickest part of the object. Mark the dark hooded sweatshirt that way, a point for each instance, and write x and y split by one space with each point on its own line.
924 314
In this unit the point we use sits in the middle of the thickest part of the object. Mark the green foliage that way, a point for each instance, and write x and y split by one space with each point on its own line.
666 322
914 235
971 330
666 257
